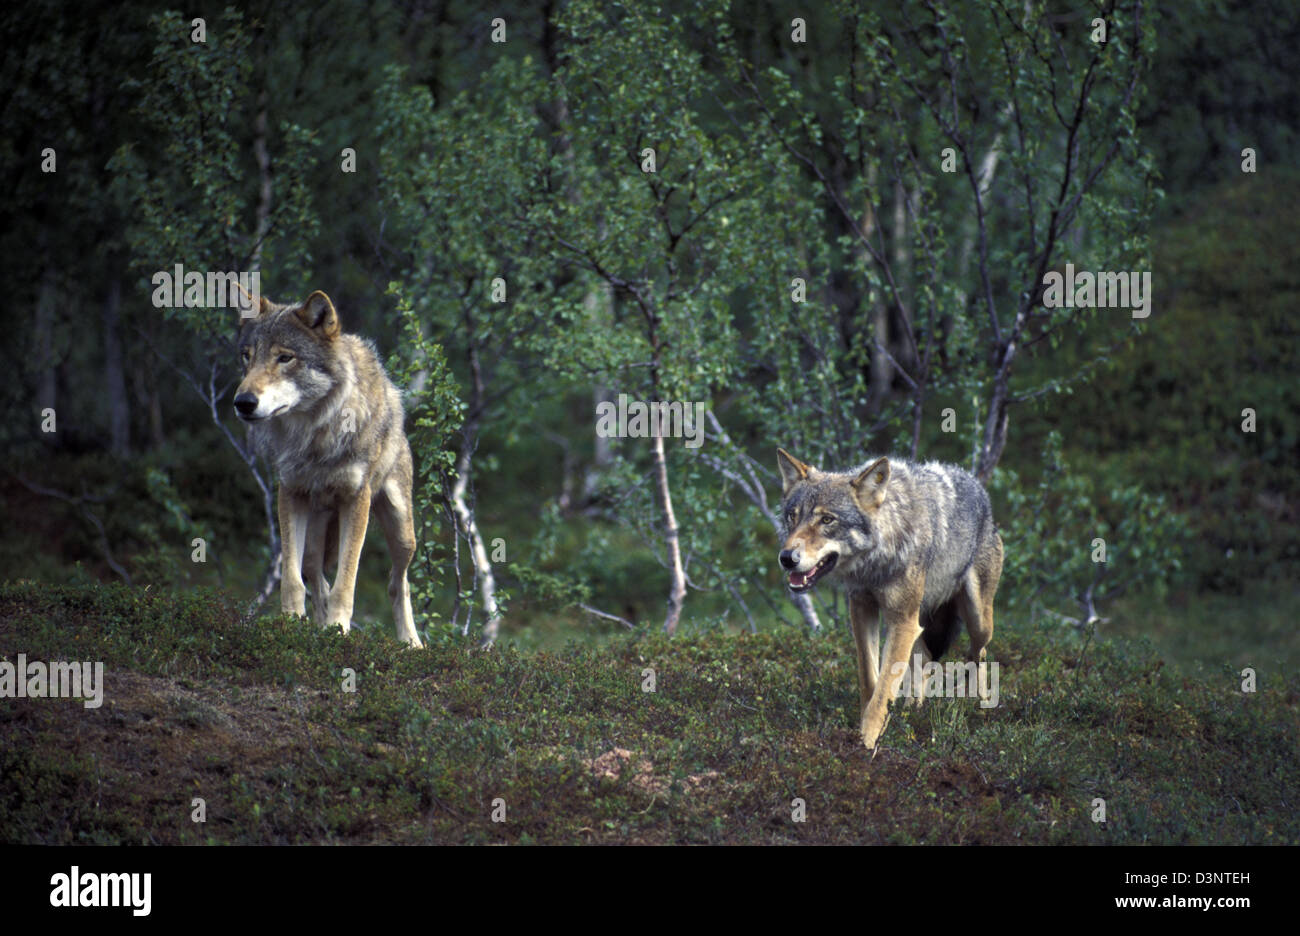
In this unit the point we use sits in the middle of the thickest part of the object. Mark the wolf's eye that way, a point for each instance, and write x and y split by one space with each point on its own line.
285 358
827 520
245 354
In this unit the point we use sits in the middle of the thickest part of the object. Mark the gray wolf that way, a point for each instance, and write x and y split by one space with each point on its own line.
914 541
319 405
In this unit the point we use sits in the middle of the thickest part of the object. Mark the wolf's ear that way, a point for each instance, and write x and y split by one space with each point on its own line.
250 306
869 486
318 314
792 470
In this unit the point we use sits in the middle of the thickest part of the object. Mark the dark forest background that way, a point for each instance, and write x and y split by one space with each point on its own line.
840 251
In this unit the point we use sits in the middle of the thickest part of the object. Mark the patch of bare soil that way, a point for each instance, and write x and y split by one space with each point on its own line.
156 745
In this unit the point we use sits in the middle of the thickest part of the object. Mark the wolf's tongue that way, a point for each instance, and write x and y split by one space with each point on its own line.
797 579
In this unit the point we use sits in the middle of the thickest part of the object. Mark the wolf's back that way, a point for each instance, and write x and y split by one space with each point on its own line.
969 525
953 521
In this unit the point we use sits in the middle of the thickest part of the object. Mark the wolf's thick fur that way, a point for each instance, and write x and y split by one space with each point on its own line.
320 406
914 541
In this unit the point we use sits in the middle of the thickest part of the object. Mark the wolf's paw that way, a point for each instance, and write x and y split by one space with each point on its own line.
873 725
293 602
913 696
340 621
981 677
320 608
338 614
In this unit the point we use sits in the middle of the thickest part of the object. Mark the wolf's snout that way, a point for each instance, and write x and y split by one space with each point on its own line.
788 559
246 403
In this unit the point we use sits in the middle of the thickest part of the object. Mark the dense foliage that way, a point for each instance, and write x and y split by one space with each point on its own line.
829 232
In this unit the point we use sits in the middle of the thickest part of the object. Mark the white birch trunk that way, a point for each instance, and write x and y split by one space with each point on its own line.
677 590
487 582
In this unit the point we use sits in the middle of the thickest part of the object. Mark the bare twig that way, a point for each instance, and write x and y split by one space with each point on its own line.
608 617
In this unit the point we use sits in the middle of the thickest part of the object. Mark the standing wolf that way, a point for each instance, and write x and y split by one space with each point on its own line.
914 541
320 406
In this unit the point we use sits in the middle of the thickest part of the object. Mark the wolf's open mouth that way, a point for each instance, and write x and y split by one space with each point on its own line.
802 581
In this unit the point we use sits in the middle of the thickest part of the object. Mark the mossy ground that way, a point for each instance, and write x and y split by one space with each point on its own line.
252 717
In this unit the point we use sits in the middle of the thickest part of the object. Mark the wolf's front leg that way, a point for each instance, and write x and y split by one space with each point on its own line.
294 513
903 628
354 516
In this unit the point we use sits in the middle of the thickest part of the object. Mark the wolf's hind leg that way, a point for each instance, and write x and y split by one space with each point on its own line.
976 595
913 684
393 510
322 533
977 612
864 619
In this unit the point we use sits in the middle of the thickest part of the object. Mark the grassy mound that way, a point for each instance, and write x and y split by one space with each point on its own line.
254 718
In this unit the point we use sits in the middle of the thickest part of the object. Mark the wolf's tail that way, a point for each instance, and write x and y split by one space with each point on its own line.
940 630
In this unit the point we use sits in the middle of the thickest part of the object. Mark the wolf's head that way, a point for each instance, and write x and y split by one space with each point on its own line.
826 517
288 355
